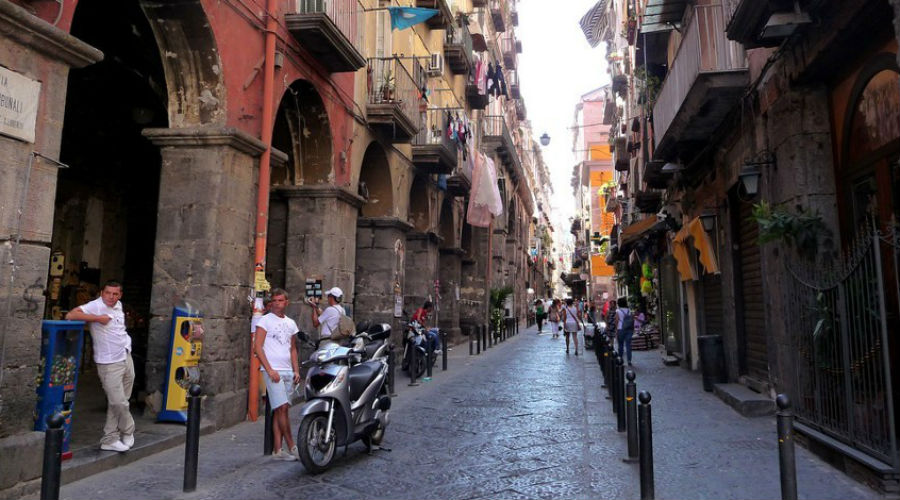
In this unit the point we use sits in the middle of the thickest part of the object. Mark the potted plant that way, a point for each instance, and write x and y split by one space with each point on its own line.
387 85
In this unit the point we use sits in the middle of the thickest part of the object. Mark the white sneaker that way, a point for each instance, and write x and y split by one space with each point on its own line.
284 456
295 452
117 446
128 440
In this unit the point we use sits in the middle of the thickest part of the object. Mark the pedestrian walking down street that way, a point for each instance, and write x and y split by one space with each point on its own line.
571 323
276 347
112 354
625 329
554 316
539 314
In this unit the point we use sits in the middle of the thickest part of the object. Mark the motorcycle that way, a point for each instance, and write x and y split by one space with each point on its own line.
347 400
590 336
415 338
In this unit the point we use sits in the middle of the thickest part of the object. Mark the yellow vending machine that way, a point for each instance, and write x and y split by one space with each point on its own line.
182 369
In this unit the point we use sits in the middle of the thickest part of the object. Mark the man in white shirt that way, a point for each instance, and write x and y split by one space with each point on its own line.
328 319
112 354
276 347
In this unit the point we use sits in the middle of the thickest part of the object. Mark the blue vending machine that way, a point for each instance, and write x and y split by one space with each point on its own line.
61 345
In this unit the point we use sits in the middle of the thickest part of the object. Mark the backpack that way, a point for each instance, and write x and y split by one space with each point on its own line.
628 322
346 328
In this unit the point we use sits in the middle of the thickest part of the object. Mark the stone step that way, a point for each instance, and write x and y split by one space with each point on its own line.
745 401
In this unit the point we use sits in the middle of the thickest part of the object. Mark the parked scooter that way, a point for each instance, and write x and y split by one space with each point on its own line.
415 338
592 334
346 400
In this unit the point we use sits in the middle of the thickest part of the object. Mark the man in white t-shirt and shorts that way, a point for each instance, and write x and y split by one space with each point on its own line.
115 368
276 347
328 319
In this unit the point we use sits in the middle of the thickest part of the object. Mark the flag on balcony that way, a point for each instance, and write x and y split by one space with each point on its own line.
404 17
594 23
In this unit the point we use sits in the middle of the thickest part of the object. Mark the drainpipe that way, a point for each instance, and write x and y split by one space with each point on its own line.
262 199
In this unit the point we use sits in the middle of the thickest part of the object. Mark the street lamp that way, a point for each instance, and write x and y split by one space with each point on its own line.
545 139
749 178
708 219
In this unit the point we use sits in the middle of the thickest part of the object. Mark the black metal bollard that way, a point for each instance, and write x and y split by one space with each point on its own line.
610 372
631 418
392 366
620 386
429 360
52 469
192 439
472 331
492 332
269 438
616 382
604 361
444 351
646 447
478 337
413 361
786 461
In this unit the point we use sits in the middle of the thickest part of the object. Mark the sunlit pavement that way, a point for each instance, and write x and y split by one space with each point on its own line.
522 420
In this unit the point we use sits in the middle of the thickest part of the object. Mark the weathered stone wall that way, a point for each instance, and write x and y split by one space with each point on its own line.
380 265
450 277
473 292
421 269
320 242
204 255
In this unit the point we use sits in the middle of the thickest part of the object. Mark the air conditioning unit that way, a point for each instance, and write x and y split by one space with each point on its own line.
436 65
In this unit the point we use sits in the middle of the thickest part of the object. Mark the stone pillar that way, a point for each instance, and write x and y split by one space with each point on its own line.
450 275
421 268
320 242
380 266
204 255
473 291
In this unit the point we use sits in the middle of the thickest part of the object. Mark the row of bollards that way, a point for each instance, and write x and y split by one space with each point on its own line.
633 415
53 442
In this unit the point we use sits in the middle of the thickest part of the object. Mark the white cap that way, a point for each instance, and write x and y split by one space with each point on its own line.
335 292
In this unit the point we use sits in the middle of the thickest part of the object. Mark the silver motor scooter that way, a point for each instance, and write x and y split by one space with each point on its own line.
346 400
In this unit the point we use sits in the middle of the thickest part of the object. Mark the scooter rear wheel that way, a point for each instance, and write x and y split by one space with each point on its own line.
315 453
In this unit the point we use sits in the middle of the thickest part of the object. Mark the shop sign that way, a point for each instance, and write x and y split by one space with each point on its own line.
18 104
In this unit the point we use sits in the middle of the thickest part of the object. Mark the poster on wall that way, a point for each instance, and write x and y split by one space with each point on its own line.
18 105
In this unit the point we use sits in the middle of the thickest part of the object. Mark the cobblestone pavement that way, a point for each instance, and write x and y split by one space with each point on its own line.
523 420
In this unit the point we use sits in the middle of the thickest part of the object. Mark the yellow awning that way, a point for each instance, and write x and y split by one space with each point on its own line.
682 257
634 231
703 243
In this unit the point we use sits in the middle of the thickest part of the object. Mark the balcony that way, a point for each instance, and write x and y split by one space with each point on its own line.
458 50
512 81
762 23
521 112
508 49
654 176
496 137
706 80
440 21
331 31
479 3
460 180
433 152
514 17
498 14
474 97
393 104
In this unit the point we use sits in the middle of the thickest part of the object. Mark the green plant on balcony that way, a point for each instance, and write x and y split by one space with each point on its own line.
649 88
387 85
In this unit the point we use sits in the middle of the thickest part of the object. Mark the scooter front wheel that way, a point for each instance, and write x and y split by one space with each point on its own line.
315 453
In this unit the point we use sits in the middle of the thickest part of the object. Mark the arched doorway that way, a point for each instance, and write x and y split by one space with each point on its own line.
419 205
375 184
450 268
105 217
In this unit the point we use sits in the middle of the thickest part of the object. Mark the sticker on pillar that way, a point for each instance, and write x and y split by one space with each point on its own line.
260 282
313 288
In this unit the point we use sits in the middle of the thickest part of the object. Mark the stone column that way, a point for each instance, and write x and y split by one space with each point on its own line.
473 291
421 268
204 255
320 242
380 266
450 275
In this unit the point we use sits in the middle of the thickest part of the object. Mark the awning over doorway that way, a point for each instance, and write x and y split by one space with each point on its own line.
594 22
634 231
682 257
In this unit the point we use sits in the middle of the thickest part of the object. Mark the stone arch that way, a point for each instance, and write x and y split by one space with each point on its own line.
191 62
303 131
375 184
419 205
447 225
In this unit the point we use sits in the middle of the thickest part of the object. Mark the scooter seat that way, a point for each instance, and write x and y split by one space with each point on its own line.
371 347
361 376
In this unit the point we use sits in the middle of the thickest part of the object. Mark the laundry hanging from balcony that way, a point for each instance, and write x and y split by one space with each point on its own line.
496 82
404 17
485 200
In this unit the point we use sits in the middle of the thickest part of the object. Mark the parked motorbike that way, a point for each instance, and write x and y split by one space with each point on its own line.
415 338
591 334
346 400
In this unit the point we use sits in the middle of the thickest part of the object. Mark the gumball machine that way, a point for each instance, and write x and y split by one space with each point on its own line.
61 344
183 370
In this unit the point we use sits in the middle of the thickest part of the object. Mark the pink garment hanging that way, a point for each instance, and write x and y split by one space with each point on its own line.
478 214
481 77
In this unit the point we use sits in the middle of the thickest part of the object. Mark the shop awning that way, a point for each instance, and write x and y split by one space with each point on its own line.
703 243
682 256
634 231
594 23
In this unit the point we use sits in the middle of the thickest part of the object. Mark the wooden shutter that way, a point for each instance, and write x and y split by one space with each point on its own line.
755 357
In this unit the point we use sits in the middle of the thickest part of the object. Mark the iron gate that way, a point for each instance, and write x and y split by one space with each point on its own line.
837 325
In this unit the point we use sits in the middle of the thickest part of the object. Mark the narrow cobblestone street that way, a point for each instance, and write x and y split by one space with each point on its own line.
523 420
